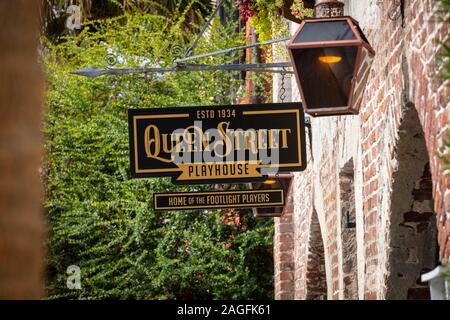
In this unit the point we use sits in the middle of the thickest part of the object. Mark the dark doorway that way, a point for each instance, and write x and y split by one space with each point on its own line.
413 232
316 282
348 231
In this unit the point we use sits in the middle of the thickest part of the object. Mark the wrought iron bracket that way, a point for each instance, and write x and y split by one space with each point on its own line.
182 55
230 50
310 133
94 72
348 224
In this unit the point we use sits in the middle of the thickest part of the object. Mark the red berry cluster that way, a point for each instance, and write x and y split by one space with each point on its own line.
247 8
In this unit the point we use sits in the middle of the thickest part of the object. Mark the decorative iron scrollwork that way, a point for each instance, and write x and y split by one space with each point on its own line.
282 87
178 51
111 60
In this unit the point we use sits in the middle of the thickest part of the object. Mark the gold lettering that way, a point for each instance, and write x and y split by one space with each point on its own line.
237 139
154 141
166 142
284 143
149 141
223 143
190 138
222 128
250 141
178 145
262 135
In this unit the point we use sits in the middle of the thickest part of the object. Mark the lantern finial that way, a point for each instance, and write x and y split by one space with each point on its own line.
328 9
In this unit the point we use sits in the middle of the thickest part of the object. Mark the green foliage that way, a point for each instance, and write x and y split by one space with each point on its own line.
54 15
445 156
102 220
299 11
446 53
445 152
264 14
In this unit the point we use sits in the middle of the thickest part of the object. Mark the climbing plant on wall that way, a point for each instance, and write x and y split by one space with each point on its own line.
100 219
54 13
263 14
445 152
446 15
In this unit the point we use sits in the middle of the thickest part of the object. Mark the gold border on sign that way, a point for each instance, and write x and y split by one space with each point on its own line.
155 202
136 159
299 141
186 115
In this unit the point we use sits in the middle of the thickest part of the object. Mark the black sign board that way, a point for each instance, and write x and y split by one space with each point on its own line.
235 143
218 199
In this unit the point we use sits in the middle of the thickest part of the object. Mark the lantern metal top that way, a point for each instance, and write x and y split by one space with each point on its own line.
325 32
328 8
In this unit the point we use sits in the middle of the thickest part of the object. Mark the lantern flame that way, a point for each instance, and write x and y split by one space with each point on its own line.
330 59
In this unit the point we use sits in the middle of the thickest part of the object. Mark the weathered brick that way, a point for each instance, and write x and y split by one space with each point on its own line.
284 296
405 56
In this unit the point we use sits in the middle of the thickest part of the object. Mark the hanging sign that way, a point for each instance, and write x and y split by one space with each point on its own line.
218 199
236 143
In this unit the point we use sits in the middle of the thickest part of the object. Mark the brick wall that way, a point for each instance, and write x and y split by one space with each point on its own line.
404 77
316 284
283 253
348 231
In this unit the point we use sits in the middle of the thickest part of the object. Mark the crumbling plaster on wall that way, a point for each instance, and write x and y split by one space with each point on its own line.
404 72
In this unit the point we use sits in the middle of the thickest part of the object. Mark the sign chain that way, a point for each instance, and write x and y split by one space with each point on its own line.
282 88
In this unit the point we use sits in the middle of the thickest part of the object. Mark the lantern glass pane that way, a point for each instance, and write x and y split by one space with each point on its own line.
281 183
361 33
325 31
270 211
325 75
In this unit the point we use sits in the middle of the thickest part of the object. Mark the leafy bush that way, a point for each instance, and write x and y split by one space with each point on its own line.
263 14
446 53
102 220
445 152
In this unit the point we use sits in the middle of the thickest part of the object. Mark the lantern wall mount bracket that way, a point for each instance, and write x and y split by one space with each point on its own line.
93 72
